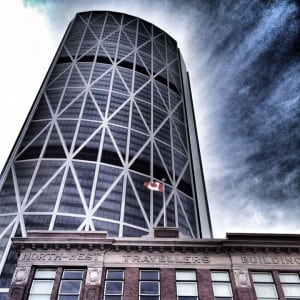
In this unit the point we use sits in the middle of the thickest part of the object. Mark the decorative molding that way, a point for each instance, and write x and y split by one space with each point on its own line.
241 278
21 275
94 276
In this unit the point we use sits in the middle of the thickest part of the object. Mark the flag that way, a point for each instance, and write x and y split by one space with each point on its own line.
154 186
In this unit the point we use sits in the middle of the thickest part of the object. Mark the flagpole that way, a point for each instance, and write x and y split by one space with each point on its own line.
164 203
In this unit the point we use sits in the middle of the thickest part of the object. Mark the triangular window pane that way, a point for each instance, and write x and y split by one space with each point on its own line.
90 151
183 225
67 128
110 208
67 223
101 98
120 136
42 111
70 95
109 152
140 82
133 213
137 141
54 147
106 178
8 200
54 97
90 111
70 201
121 117
137 122
142 162
118 85
159 170
45 202
73 110
159 116
59 75
85 173
24 171
75 79
145 109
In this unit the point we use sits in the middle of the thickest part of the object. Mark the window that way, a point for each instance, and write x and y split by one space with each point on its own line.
290 285
114 284
70 284
186 285
221 285
264 286
149 288
42 284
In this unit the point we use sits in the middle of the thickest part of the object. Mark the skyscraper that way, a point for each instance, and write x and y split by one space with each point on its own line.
113 112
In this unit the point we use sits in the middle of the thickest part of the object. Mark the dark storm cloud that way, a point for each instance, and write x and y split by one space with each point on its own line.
244 62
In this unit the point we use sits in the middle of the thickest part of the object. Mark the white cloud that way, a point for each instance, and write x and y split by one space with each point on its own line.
26 51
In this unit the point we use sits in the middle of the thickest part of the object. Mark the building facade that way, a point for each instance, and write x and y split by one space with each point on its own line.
160 266
114 111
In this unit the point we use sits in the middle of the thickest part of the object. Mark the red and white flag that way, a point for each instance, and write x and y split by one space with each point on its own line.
155 186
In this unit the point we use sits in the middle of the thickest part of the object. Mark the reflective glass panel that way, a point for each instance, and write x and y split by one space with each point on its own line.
149 287
70 287
45 273
291 290
185 275
186 289
113 287
289 278
41 287
222 289
149 275
262 277
219 276
265 290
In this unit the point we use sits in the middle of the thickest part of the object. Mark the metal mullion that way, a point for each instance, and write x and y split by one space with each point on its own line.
34 139
43 187
139 201
142 117
122 210
18 200
78 186
58 199
119 108
8 246
64 71
162 159
11 223
172 154
162 209
70 104
139 152
115 145
136 227
39 161
158 91
46 139
185 216
176 129
87 140
107 192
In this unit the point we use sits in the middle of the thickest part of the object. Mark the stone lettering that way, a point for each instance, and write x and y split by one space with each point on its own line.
52 256
166 259
270 260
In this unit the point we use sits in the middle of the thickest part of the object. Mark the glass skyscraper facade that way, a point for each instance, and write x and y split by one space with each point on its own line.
113 112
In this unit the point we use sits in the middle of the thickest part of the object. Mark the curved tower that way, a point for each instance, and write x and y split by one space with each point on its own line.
113 112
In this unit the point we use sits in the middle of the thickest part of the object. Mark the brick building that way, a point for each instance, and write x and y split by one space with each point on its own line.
162 265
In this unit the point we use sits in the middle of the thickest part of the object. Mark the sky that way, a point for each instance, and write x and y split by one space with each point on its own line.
244 64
